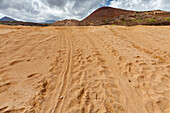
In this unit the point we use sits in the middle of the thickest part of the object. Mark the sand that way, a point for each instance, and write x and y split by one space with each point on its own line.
105 69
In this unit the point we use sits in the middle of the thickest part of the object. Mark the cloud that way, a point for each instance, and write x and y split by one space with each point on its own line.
1 15
141 5
41 10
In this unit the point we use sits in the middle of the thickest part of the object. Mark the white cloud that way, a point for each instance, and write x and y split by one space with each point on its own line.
1 15
41 10
141 5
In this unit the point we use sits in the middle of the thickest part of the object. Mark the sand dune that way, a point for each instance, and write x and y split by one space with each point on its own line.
106 69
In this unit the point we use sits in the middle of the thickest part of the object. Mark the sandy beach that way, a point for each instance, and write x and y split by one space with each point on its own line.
97 69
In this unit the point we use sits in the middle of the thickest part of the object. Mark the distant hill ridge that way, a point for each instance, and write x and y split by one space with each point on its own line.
10 21
7 19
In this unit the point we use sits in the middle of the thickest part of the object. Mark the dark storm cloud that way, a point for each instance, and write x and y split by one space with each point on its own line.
55 3
78 8
17 5
41 10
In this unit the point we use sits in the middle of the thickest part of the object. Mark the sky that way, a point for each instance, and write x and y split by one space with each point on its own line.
42 10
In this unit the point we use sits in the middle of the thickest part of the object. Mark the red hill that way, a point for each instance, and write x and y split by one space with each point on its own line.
106 12
115 16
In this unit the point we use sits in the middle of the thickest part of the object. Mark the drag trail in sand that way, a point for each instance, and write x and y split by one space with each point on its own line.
106 69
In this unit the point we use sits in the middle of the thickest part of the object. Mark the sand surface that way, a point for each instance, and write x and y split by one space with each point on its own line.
106 69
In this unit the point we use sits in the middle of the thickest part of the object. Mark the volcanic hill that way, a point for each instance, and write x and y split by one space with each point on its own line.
98 15
115 16
106 12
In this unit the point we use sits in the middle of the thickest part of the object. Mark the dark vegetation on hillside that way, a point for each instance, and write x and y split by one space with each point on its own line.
22 23
137 18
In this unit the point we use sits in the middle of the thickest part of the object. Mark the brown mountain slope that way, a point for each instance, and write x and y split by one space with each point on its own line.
166 14
106 12
114 16
67 22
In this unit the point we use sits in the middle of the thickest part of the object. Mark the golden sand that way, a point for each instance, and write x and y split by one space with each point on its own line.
106 69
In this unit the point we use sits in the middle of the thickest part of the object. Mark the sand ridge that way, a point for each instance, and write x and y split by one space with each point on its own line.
104 69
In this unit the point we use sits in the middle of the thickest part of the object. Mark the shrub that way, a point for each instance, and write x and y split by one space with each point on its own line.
133 20
140 21
123 21
106 23
113 24
46 24
151 20
12 21
167 19
137 20
91 22
137 12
